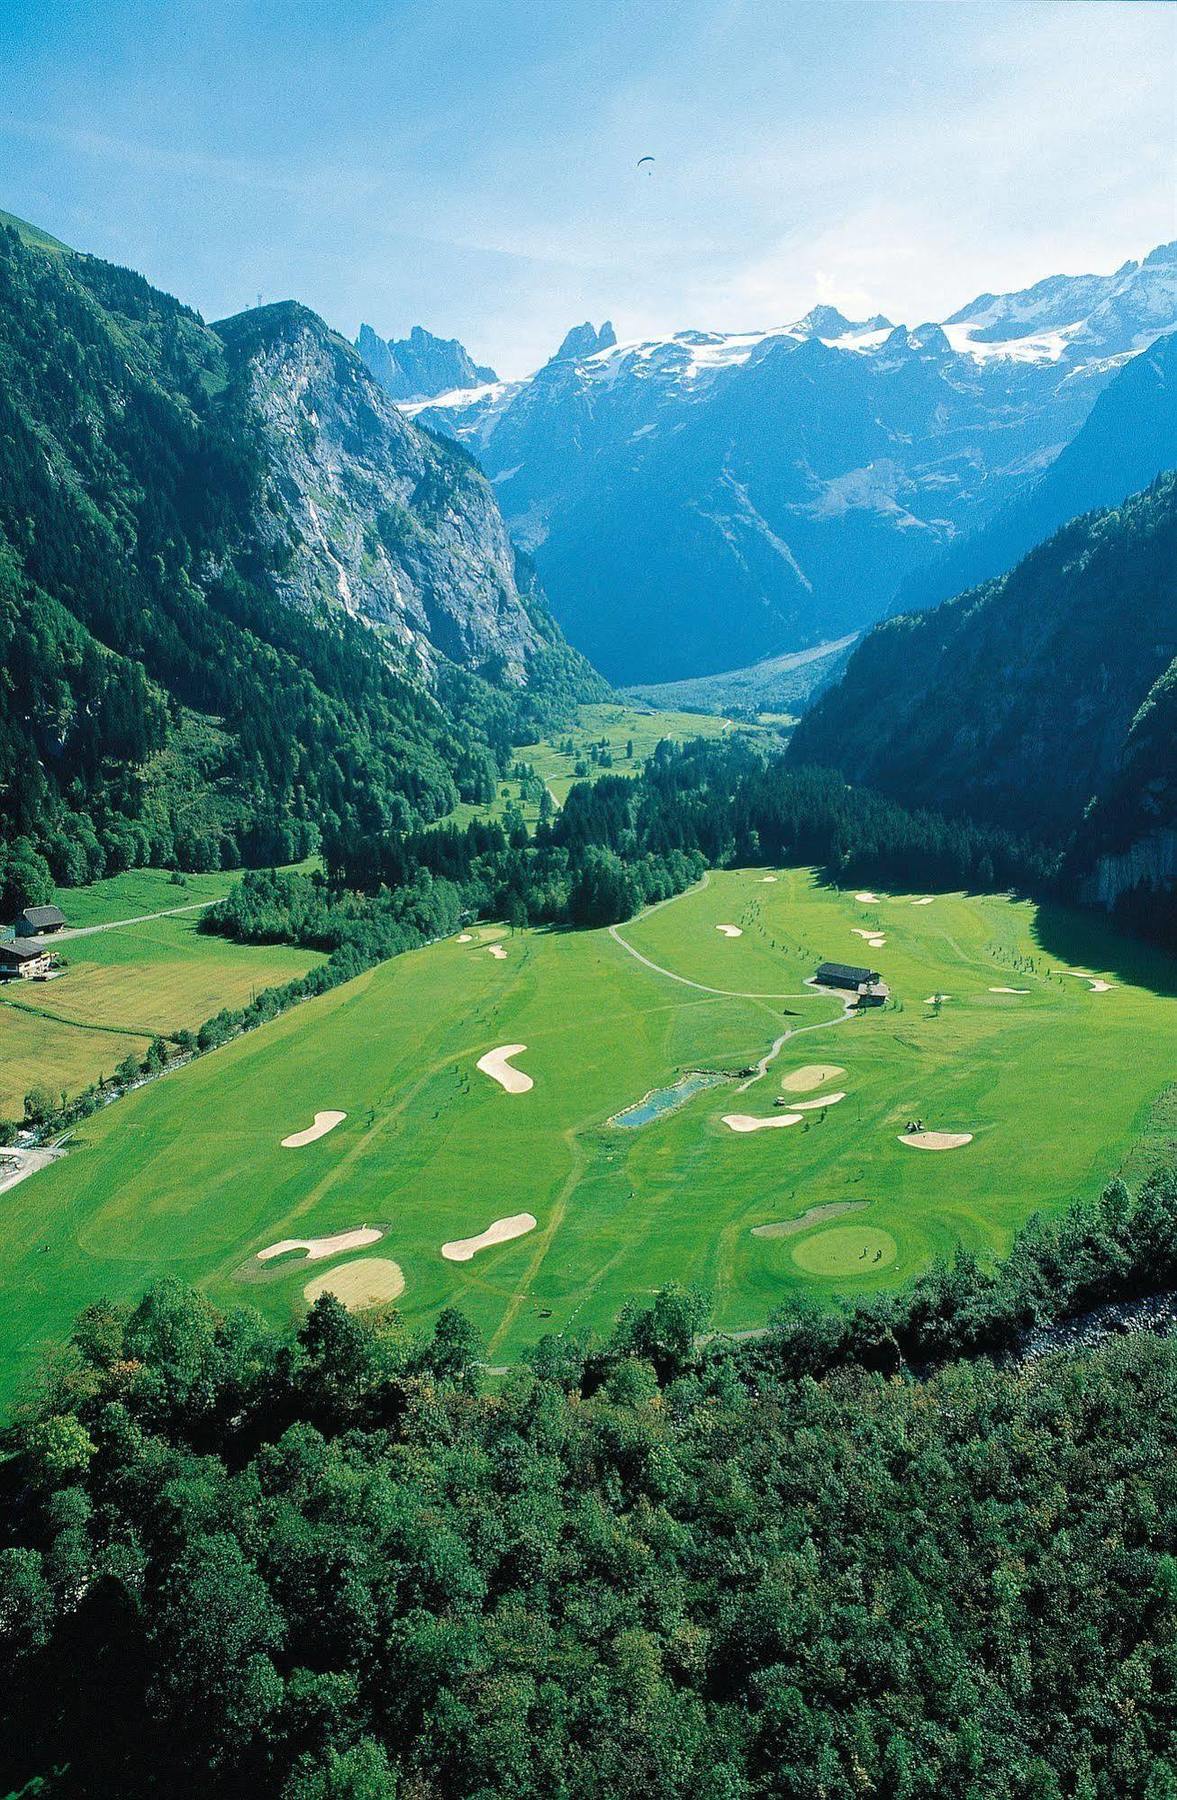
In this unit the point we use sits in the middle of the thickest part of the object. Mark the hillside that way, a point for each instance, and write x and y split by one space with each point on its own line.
241 599
1129 436
706 500
1015 701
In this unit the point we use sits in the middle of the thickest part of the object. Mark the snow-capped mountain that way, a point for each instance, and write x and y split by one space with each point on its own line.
698 501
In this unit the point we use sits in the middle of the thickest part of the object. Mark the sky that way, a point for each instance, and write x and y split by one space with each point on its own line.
471 165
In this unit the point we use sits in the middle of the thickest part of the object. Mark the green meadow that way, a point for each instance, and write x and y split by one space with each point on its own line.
1060 1087
122 987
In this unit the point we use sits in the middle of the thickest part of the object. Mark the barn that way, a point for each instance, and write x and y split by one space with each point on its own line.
39 921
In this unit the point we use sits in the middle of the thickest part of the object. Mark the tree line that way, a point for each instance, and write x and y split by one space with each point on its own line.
327 1566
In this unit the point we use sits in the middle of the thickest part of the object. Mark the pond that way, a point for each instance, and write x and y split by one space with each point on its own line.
665 1099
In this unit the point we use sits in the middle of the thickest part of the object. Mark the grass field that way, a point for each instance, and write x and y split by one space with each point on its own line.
617 725
1060 1088
124 986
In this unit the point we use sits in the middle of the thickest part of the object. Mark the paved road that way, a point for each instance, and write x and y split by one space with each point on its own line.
81 931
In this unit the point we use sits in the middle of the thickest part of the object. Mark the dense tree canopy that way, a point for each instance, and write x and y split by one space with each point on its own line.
841 1560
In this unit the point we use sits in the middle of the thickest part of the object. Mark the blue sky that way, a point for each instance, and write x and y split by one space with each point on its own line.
471 167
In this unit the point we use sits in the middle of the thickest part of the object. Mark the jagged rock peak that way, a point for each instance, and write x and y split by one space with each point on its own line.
421 365
584 340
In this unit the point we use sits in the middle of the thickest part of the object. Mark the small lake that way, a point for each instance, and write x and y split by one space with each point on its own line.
664 1100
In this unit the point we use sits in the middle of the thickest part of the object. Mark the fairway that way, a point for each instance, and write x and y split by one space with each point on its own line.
1056 1087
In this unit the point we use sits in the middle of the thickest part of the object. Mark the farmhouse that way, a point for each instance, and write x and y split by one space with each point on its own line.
25 960
39 921
868 984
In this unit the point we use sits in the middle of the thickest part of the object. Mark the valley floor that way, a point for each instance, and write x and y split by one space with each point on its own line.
1058 1087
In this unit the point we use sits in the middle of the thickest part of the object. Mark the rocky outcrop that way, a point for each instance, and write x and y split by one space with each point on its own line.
1149 863
421 365
362 510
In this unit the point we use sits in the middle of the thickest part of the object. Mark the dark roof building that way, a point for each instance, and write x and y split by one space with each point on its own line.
868 984
845 975
35 921
23 959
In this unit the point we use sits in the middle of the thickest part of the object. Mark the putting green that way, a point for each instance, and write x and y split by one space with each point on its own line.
187 1177
846 1250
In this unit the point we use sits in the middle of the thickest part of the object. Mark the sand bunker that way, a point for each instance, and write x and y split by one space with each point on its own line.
1101 987
317 1248
823 1100
768 878
369 1281
465 937
496 1065
859 932
868 899
815 1216
876 943
745 1121
935 999
924 900
936 1140
813 1075
1009 990
730 930
324 1122
501 1232
497 951
1094 982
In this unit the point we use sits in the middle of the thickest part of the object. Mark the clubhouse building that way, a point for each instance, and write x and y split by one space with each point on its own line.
867 984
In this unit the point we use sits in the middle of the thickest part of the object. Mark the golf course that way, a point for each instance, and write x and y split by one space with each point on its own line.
456 1108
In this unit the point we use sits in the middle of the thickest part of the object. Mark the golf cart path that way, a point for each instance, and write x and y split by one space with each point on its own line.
701 987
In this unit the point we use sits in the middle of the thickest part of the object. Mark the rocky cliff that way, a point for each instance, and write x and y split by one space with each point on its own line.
363 510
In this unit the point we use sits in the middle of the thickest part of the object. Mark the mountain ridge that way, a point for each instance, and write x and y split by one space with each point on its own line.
608 466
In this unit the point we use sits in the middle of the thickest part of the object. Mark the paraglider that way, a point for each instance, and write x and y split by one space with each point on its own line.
646 159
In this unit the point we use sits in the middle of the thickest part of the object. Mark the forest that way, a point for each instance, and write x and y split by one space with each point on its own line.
158 704
850 1557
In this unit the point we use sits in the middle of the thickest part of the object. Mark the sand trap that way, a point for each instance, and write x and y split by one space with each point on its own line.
868 899
496 1065
730 930
765 878
1009 990
936 1140
745 1121
815 1216
501 1232
465 937
497 951
875 943
324 1122
369 1281
1101 987
813 1075
859 932
924 900
933 999
317 1248
823 1100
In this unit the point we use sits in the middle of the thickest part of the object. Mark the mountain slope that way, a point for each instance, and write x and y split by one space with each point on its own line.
182 679
1128 437
711 498
361 509
1013 702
